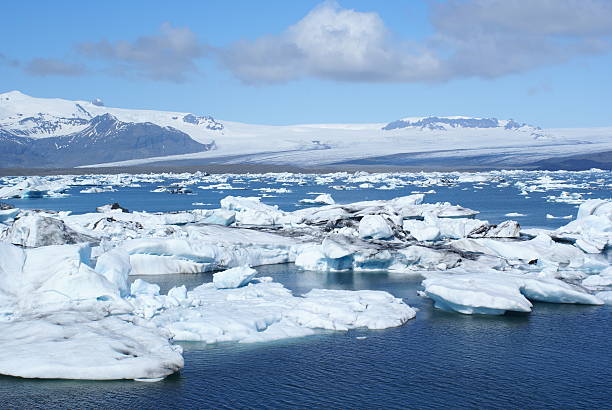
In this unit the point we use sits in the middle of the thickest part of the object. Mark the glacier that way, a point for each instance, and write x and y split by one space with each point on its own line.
45 124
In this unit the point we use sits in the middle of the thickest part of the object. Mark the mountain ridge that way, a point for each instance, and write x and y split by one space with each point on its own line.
160 136
95 142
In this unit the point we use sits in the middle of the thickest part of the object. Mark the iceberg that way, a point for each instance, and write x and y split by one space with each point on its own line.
374 227
496 293
89 345
251 211
61 319
32 230
8 214
265 311
233 278
423 258
32 187
591 231
329 256
432 228
322 199
55 308
115 266
219 217
541 250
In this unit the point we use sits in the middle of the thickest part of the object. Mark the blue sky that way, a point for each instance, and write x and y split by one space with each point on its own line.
545 62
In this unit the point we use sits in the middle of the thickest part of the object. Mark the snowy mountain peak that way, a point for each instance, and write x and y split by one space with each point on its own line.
12 94
208 121
445 123
23 115
102 126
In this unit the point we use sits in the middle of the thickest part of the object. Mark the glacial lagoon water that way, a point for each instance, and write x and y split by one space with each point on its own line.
558 356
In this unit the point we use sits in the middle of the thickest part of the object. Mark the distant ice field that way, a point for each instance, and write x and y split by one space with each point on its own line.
498 195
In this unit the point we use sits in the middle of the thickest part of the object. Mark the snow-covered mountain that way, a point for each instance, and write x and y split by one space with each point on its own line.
104 139
46 132
447 123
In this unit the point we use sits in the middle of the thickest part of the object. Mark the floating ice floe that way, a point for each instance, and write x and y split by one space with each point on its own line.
265 311
549 216
62 319
592 229
496 293
33 187
97 190
322 199
86 344
233 278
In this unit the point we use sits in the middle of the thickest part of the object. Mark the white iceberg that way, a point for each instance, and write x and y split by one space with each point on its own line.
541 250
86 345
495 293
374 227
233 278
266 311
322 199
329 256
592 229
33 187
61 319
8 214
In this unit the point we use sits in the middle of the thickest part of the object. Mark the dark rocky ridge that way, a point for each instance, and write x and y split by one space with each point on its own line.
105 139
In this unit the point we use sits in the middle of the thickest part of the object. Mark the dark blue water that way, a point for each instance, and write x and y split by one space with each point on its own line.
556 357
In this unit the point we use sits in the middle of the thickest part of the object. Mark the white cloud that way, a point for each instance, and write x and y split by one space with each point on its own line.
483 38
470 38
170 55
333 43
491 38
